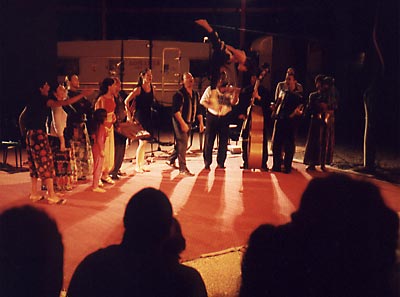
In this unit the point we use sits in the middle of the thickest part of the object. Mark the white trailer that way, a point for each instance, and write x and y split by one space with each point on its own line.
95 60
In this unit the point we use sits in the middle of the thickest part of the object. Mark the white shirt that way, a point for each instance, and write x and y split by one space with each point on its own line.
59 121
282 87
224 103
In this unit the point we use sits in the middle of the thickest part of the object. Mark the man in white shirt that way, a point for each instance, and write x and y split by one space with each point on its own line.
217 121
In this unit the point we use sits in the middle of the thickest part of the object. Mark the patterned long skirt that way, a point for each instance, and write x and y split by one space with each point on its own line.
64 164
82 149
40 157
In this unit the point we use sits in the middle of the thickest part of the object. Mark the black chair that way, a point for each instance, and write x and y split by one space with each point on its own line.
12 145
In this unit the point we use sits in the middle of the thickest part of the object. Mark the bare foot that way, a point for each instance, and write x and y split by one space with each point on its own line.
204 23
36 197
56 200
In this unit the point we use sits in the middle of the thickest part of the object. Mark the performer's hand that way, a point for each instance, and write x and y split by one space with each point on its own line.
185 127
201 127
299 110
241 117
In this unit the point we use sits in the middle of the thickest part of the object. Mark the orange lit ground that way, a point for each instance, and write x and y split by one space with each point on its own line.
217 209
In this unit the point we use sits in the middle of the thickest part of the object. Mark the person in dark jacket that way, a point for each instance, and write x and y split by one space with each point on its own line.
185 109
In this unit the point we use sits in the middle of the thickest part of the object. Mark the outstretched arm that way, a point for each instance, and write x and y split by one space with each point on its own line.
58 103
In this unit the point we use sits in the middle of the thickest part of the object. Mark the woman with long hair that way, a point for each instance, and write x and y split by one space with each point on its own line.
139 103
108 90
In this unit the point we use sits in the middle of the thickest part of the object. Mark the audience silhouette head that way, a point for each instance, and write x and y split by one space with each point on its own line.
31 254
146 262
147 219
341 242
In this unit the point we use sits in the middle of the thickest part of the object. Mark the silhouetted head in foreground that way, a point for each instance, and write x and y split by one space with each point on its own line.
147 220
341 242
351 232
31 254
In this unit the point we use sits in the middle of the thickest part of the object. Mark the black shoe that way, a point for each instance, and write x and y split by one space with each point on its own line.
311 168
171 164
264 169
276 169
220 166
114 176
207 167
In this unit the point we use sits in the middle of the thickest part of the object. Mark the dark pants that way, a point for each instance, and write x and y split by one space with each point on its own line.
283 141
218 59
180 148
216 125
119 153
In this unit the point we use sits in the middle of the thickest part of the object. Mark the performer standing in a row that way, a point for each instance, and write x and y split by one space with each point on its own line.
139 104
217 121
78 129
98 149
108 90
185 109
64 161
321 107
287 109
119 139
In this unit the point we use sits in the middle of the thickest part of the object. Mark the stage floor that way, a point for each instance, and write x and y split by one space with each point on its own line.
217 209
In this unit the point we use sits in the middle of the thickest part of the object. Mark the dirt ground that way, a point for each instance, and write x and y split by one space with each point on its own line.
349 158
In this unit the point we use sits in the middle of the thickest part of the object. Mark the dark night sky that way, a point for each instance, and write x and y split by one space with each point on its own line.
344 28
320 19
